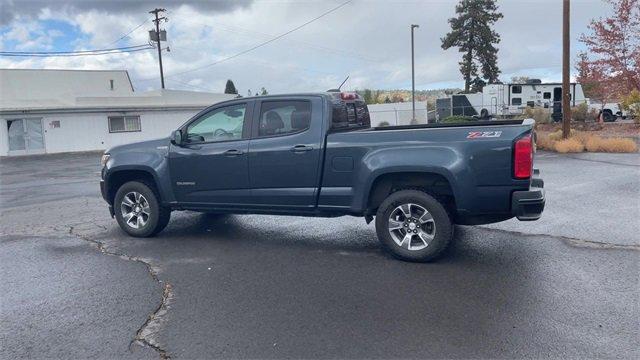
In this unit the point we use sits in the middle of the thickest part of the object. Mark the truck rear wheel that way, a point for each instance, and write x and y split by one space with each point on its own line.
138 210
413 226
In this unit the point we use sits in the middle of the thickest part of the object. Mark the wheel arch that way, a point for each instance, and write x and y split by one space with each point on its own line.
121 175
435 182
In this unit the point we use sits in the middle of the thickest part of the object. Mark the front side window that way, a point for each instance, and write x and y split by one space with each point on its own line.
516 101
284 117
516 89
222 124
124 124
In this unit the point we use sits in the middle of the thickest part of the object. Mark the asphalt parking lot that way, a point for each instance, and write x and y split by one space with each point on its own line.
74 286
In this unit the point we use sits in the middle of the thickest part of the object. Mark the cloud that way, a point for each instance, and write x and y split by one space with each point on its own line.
367 40
31 35
12 9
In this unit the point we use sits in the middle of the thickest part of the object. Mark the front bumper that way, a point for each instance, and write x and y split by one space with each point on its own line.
528 205
105 196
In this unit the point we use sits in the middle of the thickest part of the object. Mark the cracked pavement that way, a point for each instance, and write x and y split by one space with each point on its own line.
285 287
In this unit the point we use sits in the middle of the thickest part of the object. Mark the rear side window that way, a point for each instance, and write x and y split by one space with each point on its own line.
284 117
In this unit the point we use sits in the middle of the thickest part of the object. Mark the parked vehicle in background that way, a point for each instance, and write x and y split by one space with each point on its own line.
506 100
610 111
316 155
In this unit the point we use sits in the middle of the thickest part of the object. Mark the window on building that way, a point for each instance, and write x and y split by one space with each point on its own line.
284 117
124 124
516 89
546 95
516 101
222 124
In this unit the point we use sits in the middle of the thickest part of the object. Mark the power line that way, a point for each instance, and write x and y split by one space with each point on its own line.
263 43
129 49
129 33
252 33
74 51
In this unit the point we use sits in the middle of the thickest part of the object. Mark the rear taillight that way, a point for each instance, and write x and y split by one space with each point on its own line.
348 96
523 157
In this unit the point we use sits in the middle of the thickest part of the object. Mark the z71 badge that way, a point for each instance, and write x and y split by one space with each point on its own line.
483 134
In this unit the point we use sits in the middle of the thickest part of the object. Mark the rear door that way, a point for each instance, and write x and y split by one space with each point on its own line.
211 167
285 152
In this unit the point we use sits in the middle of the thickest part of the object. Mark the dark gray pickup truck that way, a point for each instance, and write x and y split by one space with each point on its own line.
317 155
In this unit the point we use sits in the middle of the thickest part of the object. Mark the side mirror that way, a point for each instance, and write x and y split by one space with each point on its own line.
176 138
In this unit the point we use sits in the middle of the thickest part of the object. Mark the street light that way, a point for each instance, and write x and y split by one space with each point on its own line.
413 76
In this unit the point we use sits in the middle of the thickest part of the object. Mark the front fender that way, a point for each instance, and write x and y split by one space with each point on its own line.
153 162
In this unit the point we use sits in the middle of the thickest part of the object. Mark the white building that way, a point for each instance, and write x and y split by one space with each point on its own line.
52 111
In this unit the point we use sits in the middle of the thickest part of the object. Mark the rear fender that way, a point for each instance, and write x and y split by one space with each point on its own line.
439 160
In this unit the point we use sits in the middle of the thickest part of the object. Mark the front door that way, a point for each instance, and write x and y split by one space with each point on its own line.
284 153
25 136
557 94
211 167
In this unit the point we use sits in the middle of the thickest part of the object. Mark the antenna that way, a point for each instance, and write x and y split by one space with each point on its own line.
345 80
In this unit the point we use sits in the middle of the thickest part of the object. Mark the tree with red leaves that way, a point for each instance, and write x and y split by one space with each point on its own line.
610 68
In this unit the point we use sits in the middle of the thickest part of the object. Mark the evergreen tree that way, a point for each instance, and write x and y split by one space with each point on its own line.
472 34
230 88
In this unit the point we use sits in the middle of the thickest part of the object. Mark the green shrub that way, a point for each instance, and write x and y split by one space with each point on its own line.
457 119
582 113
540 115
631 103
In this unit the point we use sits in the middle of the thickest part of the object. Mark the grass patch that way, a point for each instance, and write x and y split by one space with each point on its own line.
570 145
580 141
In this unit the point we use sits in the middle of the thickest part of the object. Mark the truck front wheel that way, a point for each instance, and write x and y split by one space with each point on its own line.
138 210
413 226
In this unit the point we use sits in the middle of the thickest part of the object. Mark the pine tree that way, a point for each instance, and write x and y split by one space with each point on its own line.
230 88
472 34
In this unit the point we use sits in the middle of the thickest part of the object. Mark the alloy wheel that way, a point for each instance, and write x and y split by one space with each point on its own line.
411 226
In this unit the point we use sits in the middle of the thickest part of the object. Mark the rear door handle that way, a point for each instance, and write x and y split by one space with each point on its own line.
301 148
233 152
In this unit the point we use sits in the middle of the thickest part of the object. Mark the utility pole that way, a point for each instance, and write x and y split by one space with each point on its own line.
566 55
413 77
158 38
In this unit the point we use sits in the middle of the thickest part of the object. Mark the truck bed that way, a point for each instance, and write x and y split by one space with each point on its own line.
445 125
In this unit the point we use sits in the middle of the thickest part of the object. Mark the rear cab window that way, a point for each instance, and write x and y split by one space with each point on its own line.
349 111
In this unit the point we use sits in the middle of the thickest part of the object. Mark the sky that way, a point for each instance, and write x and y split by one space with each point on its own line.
367 40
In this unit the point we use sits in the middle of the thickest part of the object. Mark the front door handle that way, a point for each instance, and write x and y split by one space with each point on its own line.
233 152
301 148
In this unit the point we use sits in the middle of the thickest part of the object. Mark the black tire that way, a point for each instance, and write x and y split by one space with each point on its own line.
484 114
443 231
158 216
607 115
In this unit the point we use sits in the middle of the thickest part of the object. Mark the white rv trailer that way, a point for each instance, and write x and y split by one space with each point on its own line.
508 99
